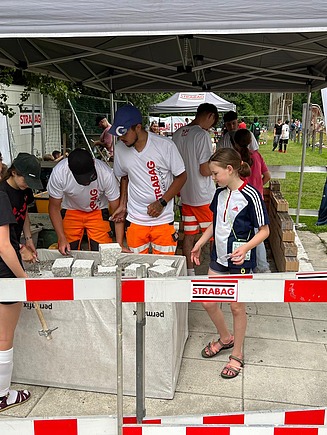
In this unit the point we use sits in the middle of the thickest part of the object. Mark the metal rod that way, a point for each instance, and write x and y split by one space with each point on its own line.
119 343
33 129
140 353
81 128
305 129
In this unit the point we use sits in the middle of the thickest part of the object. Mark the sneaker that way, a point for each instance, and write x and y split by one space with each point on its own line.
22 396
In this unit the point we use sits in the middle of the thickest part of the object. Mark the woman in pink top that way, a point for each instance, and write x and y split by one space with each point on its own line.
260 175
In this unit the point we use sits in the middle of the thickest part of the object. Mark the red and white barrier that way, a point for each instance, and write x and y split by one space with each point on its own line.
277 287
263 423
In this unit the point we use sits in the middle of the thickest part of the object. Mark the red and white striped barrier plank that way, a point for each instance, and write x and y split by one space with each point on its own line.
223 430
56 289
286 287
314 417
251 288
108 425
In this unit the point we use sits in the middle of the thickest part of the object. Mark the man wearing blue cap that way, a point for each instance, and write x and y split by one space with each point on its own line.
152 172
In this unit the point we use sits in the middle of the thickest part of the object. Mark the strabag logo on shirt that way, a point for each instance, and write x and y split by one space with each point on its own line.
216 290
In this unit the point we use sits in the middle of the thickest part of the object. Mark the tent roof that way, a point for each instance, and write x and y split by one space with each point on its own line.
189 102
175 45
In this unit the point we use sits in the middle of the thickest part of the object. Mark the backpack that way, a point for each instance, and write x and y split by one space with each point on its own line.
256 130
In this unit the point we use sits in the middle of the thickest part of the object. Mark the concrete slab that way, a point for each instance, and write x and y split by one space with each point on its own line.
285 385
203 377
311 330
269 309
270 327
274 353
199 321
309 311
262 405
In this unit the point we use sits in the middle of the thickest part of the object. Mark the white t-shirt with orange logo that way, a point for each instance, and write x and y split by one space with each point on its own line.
150 173
95 196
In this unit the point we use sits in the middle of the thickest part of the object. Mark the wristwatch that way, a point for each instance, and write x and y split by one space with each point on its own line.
162 202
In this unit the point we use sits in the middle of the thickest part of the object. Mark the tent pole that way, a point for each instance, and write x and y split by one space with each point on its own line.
305 129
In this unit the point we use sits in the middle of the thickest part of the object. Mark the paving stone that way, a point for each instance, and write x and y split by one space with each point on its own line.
107 270
164 261
109 253
83 268
130 270
158 271
62 267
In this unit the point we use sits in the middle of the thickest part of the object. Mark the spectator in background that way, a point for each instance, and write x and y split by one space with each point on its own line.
256 128
242 124
277 133
105 141
231 127
154 127
284 137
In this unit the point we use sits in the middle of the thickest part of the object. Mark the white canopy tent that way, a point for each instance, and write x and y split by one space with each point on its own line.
170 46
189 101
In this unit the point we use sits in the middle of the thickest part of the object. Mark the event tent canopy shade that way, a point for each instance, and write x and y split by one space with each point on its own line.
189 102
171 46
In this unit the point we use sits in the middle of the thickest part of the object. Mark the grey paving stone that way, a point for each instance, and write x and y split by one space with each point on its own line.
109 253
285 385
311 330
310 311
83 268
130 270
199 321
62 267
107 270
262 405
203 377
274 353
161 270
269 309
270 327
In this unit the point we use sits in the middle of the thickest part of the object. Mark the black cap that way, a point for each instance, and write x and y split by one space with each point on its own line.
81 164
30 168
98 119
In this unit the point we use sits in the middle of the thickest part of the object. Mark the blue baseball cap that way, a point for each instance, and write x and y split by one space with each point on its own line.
125 118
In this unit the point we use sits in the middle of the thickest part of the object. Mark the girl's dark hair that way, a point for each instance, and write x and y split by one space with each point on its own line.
229 156
242 139
9 172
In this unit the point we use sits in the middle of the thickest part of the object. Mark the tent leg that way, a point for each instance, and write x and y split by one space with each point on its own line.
305 128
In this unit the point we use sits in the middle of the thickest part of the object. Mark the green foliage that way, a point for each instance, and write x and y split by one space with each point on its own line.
144 101
58 90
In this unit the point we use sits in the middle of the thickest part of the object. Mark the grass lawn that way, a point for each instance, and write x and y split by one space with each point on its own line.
313 184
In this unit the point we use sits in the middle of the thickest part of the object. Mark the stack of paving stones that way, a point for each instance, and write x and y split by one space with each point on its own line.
109 255
282 235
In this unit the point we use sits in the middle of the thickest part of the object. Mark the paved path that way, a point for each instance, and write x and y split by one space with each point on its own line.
285 353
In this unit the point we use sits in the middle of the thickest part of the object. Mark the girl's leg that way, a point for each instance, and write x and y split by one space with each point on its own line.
240 322
9 315
217 317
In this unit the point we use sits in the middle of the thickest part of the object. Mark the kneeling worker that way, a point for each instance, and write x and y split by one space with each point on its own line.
80 189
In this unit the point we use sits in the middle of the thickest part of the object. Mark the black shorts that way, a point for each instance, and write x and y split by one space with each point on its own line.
219 268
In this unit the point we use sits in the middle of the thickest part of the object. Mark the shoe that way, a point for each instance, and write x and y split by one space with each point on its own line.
280 151
284 152
230 368
22 396
209 351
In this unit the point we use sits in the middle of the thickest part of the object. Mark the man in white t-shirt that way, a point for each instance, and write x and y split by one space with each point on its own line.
231 126
284 137
80 191
194 144
152 172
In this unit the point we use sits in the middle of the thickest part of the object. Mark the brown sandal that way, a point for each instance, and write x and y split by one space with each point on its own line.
209 351
235 370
